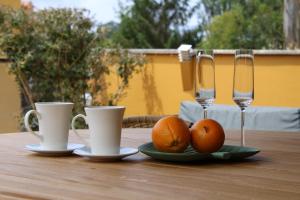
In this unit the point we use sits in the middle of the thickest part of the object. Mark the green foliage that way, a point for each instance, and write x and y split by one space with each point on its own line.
216 7
223 24
156 24
57 55
256 24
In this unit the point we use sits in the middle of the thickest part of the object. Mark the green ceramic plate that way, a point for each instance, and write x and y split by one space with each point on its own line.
230 152
187 156
227 152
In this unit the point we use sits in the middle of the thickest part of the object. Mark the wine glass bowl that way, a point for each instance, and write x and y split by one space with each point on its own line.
243 83
205 92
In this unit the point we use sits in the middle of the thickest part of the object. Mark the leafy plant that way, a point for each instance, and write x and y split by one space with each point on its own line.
60 55
156 24
255 24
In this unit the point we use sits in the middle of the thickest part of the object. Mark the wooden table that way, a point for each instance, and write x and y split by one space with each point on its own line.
272 174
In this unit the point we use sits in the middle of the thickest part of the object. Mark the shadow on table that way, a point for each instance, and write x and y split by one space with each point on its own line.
67 155
257 160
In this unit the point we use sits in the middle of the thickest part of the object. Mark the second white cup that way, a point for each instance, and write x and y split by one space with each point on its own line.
105 126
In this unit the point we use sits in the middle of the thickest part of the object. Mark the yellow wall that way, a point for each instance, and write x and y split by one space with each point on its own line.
277 80
158 89
9 101
12 3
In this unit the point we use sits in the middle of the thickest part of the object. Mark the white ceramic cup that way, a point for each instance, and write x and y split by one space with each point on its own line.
54 122
105 126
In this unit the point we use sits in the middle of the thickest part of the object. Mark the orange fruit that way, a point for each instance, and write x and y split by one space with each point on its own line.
207 136
170 134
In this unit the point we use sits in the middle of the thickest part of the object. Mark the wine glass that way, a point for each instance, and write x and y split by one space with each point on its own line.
243 83
205 92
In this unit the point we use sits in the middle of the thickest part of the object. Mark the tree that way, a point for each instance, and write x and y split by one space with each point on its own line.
56 55
292 23
156 24
252 24
215 7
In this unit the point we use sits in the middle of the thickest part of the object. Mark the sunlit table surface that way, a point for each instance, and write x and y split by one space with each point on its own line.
274 173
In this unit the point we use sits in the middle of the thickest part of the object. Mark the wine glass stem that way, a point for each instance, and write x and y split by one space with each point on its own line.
205 113
242 127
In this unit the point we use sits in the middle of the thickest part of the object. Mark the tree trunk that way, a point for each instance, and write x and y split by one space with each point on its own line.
291 24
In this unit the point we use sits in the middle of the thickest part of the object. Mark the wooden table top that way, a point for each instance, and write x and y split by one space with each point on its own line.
274 173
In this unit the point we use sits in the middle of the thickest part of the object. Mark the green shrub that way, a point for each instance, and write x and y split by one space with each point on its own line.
60 55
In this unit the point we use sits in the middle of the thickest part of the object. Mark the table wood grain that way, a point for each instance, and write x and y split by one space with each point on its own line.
274 173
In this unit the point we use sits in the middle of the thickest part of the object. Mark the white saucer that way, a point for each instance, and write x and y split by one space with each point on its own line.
124 152
37 149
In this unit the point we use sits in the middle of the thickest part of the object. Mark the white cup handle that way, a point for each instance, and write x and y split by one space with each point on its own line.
74 130
27 125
